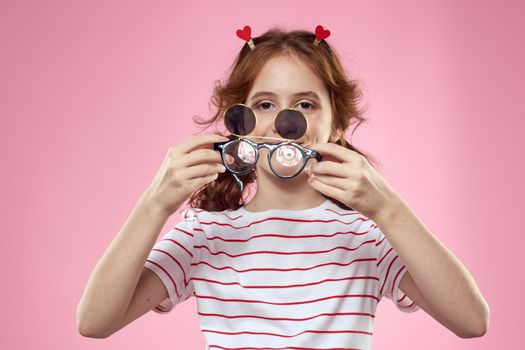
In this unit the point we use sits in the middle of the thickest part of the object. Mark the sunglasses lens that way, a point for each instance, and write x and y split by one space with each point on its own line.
239 120
287 160
290 124
239 156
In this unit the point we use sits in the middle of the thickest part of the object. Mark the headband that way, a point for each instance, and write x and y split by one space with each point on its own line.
246 35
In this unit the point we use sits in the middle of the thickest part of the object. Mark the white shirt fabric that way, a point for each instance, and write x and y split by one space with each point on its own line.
280 278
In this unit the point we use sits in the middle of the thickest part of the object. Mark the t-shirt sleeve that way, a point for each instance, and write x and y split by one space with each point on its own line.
391 268
171 258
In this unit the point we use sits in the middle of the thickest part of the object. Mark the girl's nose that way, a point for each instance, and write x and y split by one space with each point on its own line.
274 130
266 128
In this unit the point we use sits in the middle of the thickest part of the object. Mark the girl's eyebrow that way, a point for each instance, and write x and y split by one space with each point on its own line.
310 94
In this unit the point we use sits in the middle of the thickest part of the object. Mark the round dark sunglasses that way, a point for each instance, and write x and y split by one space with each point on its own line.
240 155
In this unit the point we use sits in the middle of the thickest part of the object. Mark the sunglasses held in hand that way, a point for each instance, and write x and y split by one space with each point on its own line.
287 158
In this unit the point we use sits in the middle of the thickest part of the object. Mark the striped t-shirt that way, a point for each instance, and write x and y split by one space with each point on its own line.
280 279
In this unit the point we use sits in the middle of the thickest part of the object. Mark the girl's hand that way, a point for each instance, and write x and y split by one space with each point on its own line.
348 177
186 167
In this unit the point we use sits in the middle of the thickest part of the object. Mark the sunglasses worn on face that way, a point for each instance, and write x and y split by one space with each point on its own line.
286 159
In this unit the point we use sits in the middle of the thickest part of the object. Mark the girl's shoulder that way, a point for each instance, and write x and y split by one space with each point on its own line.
198 214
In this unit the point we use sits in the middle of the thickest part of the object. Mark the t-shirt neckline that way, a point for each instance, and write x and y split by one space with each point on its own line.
287 212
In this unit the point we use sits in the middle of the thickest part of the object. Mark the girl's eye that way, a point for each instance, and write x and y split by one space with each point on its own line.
263 105
267 105
306 105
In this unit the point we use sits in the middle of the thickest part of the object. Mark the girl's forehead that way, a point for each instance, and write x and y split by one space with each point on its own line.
286 76
280 65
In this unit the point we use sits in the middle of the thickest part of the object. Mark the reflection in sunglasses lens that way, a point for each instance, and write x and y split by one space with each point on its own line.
290 124
239 119
286 160
239 156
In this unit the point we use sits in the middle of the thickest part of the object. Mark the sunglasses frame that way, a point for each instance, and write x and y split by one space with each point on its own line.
307 154
273 122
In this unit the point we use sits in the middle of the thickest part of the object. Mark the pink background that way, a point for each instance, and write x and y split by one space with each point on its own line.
92 94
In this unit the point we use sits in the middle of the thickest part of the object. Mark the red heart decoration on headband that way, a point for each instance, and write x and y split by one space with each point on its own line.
245 34
321 33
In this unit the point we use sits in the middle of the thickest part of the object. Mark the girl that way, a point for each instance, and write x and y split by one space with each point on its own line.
305 262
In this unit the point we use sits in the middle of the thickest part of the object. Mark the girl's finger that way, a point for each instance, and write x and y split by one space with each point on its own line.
330 168
328 190
338 182
334 151
201 170
200 156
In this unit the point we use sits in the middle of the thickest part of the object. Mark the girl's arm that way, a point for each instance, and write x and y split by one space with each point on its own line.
450 293
114 279
441 284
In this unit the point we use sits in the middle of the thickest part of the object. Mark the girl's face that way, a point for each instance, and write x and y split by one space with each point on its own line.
285 82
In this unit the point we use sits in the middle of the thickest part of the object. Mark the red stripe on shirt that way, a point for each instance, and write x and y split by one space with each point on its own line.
183 231
283 270
286 236
179 244
283 253
400 300
387 272
381 241
384 256
287 348
288 303
273 218
178 263
289 319
395 278
289 336
407 306
166 272
284 286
